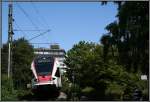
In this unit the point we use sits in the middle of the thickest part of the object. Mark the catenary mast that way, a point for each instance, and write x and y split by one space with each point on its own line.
10 37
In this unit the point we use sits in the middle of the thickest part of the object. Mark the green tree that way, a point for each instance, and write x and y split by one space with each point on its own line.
129 34
78 58
4 58
82 64
8 94
22 56
128 37
85 62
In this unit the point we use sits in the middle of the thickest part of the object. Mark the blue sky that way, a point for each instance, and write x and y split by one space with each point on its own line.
69 22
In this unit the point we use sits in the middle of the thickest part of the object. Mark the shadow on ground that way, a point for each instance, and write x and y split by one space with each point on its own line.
41 95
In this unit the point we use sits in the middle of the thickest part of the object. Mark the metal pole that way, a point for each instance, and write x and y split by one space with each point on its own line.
8 60
10 34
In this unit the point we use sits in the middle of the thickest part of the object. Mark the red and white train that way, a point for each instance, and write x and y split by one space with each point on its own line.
46 73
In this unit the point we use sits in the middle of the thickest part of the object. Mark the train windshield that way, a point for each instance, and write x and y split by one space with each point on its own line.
44 66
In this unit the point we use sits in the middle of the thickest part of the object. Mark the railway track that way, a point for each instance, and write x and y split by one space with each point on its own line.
43 97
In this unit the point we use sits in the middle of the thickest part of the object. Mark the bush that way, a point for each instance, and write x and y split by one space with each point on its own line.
87 91
114 91
8 94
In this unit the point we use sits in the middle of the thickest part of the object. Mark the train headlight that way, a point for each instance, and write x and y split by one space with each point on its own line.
36 80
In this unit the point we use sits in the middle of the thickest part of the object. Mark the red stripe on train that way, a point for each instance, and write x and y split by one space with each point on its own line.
44 78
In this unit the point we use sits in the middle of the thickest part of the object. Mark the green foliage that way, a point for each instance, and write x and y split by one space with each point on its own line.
128 38
80 57
8 94
129 35
66 86
23 54
99 79
88 91
22 57
114 91
114 68
4 58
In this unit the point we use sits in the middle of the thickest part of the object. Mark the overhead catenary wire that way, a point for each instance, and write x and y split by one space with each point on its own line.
38 35
39 15
36 27
26 14
41 43
30 30
19 28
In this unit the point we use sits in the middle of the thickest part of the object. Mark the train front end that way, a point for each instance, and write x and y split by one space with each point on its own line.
46 74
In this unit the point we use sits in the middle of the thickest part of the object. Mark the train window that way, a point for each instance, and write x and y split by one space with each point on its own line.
57 73
44 65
